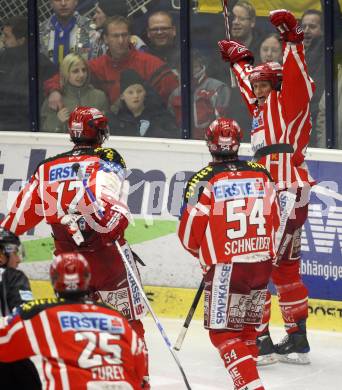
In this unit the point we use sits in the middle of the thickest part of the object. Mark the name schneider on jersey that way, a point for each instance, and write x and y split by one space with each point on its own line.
227 190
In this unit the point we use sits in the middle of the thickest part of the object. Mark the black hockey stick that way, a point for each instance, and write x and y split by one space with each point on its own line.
270 149
226 27
188 319
78 171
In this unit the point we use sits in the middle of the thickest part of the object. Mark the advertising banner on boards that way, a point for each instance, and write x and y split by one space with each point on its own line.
158 170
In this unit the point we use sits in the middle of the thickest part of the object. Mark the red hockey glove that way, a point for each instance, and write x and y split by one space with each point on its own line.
115 223
232 51
287 25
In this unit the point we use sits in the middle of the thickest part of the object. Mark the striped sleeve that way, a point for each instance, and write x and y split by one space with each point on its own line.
193 223
296 80
14 343
242 71
27 210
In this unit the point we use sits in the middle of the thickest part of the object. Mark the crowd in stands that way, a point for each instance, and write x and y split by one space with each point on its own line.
83 60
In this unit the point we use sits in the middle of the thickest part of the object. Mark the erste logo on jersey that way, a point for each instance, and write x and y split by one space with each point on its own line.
83 321
64 171
239 188
258 121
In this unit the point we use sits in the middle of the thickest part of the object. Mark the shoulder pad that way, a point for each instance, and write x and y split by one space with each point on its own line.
204 174
111 155
259 167
57 156
255 165
31 308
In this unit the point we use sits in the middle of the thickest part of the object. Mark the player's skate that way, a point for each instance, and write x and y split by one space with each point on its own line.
294 348
266 350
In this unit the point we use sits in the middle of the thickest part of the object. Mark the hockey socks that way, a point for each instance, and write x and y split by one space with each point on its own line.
238 360
292 293
240 365
138 327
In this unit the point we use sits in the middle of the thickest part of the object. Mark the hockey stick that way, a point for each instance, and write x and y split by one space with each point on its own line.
156 320
270 149
188 319
226 26
76 168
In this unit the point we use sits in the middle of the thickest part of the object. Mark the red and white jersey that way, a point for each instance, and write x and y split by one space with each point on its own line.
230 214
84 345
54 191
284 118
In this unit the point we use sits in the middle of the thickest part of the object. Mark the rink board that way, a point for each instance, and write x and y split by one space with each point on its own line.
175 303
158 171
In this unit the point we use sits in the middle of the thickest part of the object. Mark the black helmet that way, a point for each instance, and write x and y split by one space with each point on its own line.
7 237
9 242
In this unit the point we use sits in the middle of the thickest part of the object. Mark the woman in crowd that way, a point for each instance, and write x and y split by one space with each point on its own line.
141 112
76 91
270 49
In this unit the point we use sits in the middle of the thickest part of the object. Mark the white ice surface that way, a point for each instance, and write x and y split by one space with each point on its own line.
205 370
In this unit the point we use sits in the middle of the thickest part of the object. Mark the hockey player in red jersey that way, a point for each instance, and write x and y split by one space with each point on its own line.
228 222
56 193
84 345
278 99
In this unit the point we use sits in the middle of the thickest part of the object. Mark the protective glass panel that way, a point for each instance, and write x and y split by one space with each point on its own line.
103 63
14 97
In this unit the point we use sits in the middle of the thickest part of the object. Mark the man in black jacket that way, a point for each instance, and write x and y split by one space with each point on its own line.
14 77
14 290
312 25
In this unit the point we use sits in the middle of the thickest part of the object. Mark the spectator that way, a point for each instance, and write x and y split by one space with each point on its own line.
65 31
243 26
105 70
84 344
321 131
14 93
312 24
103 10
76 91
162 38
14 290
140 113
211 97
270 49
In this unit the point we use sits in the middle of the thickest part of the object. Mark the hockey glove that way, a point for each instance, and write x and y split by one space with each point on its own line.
287 25
115 221
232 51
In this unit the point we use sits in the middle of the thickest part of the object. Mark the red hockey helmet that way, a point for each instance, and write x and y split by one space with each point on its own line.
269 71
223 137
70 273
88 125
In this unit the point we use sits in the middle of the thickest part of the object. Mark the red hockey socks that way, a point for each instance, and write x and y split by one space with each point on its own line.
292 294
238 361
138 327
248 336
